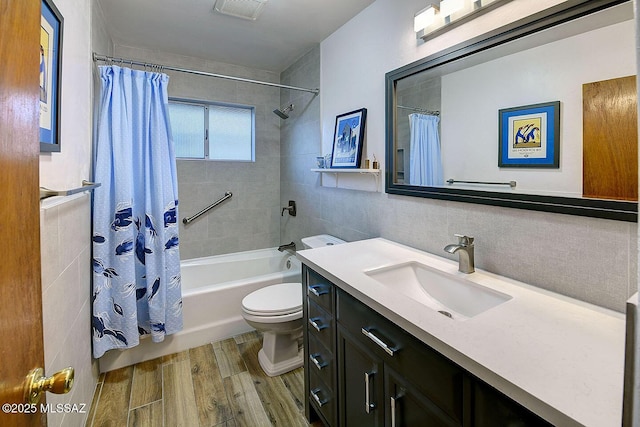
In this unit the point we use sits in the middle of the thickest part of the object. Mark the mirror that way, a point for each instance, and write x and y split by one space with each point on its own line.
528 116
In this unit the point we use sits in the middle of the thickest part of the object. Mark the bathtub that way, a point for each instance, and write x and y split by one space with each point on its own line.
212 292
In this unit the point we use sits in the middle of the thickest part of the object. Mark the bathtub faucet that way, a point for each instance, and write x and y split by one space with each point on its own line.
288 247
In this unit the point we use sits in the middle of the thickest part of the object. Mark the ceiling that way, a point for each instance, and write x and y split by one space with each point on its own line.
285 31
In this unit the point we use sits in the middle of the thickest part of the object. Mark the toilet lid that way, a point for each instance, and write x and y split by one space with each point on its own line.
274 300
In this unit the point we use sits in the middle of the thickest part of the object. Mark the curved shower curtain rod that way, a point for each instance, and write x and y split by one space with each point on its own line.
104 58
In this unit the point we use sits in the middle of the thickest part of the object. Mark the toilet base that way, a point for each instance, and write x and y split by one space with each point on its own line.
284 366
280 352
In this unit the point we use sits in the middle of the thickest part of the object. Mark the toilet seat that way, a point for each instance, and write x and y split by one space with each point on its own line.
276 300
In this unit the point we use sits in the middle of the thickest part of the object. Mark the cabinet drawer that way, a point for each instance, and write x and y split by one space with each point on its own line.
320 290
433 375
322 398
320 325
321 361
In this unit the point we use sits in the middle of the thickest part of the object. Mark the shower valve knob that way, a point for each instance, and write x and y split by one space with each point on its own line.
291 208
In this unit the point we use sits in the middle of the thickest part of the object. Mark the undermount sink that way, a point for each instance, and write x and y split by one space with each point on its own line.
451 296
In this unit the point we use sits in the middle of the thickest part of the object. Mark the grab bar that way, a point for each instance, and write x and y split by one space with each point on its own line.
511 184
226 196
86 186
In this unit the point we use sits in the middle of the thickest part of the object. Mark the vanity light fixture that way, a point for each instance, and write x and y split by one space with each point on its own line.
424 18
448 7
447 14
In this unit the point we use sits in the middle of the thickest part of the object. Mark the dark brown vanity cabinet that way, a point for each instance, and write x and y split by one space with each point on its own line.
361 369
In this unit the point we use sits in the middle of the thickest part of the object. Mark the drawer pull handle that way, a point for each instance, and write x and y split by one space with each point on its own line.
316 322
318 290
395 407
314 394
386 347
317 360
368 405
393 411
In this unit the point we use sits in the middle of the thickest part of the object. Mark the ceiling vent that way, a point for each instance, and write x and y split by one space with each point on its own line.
245 9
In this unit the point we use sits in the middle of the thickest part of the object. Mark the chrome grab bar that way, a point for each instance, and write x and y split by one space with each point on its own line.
226 196
511 184
45 193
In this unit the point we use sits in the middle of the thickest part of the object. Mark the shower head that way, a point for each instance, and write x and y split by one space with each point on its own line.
282 112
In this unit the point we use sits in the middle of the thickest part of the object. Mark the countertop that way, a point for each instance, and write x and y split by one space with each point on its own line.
560 357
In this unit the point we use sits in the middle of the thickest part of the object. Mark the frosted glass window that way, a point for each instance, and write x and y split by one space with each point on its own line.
188 129
212 131
230 133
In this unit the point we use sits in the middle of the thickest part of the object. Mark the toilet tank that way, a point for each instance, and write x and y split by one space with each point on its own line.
320 240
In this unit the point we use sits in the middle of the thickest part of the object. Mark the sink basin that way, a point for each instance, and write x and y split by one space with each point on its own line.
450 295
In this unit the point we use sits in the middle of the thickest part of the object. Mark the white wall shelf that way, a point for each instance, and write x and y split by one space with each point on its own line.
353 179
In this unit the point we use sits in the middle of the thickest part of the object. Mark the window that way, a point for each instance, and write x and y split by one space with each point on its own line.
212 131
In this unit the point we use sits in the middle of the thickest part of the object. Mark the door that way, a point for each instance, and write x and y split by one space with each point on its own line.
610 139
407 407
21 347
360 379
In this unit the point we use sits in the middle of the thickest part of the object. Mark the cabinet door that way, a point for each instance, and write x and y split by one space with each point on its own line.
492 408
361 384
407 407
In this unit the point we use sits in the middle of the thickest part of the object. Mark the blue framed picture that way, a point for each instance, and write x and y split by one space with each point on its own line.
529 136
348 138
50 75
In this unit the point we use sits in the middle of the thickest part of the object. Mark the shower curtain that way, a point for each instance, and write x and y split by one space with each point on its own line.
136 261
424 159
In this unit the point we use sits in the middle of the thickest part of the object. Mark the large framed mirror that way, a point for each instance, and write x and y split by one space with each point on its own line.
540 114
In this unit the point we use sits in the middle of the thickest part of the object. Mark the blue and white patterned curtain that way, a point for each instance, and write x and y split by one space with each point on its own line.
136 261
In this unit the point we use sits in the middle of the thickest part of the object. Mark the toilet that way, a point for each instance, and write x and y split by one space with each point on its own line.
276 311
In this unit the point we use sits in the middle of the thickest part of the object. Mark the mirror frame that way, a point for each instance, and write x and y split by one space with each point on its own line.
564 12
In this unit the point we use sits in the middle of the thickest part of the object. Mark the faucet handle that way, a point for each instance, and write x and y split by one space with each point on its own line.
464 240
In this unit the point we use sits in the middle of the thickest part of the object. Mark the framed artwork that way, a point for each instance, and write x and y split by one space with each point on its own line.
529 136
50 75
348 138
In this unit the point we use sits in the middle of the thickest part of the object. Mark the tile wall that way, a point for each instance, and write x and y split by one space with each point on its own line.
250 219
66 259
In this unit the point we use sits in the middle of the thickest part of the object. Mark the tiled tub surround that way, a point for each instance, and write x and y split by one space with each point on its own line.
251 218
559 357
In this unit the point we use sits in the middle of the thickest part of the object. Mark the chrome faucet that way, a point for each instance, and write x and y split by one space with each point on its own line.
465 253
288 247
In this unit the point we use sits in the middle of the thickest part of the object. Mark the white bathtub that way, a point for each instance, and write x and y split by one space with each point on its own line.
212 292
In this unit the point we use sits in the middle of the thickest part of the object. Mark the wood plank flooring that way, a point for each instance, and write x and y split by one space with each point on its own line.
219 384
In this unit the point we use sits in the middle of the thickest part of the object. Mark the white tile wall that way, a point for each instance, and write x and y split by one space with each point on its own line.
66 295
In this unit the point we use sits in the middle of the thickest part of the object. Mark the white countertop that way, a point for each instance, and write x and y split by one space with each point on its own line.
560 357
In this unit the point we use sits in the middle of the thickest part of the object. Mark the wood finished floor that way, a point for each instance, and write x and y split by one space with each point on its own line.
218 384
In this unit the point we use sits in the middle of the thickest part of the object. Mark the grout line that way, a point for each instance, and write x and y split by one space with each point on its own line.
142 406
133 376
164 422
97 391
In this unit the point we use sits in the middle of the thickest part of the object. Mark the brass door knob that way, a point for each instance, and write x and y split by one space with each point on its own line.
35 383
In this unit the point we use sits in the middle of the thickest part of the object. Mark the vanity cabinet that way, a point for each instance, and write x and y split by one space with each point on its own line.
361 369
